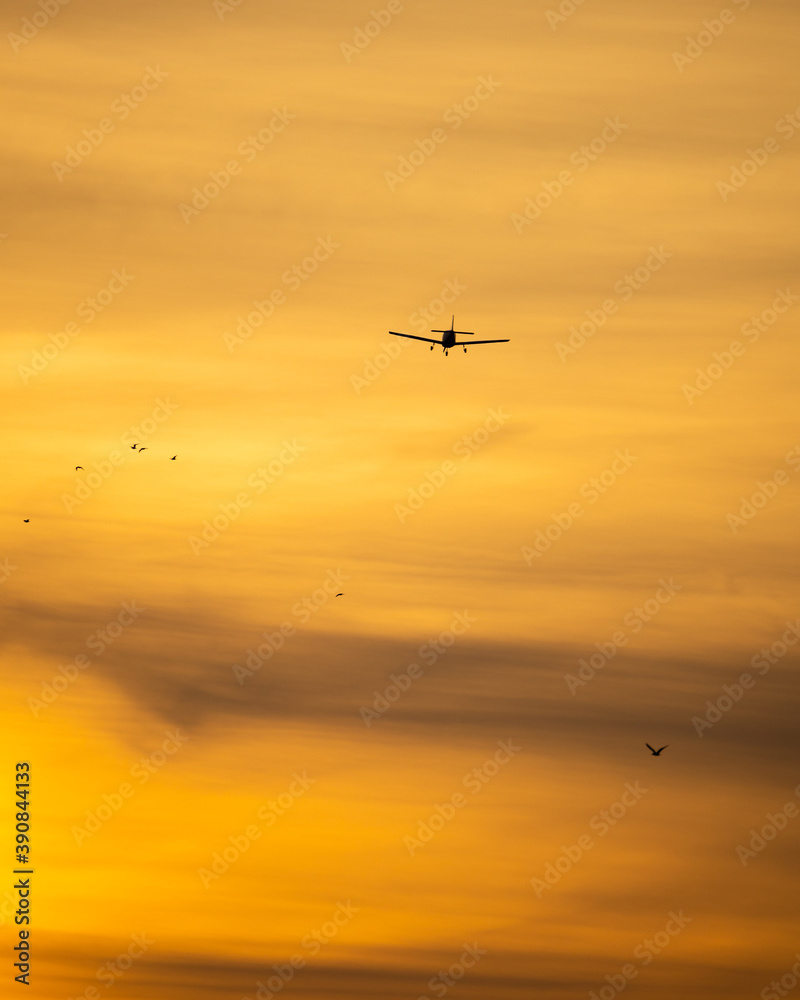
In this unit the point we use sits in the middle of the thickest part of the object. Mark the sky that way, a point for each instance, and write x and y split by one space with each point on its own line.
550 552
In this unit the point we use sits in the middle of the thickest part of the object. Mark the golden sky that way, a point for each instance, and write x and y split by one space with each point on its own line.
550 551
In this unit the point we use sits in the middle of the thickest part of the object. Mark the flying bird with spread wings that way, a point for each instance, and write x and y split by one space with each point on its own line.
655 753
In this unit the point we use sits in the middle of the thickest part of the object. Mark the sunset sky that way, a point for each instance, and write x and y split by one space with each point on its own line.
550 551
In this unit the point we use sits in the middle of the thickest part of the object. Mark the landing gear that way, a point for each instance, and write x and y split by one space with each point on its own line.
445 353
465 350
431 346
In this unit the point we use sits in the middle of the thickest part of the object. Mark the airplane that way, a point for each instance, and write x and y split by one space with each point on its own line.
449 338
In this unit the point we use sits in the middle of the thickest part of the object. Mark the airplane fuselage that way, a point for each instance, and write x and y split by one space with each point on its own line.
448 340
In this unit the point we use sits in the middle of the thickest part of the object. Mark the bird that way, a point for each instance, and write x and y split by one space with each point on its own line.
340 595
141 450
173 458
134 446
26 519
655 753
79 467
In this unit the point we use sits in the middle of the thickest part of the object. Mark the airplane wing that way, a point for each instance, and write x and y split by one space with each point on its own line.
428 340
472 343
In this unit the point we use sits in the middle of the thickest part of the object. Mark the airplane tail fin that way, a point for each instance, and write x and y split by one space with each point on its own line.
464 333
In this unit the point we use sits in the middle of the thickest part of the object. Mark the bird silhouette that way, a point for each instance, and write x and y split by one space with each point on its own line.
173 458
141 450
79 467
340 595
134 446
655 753
26 519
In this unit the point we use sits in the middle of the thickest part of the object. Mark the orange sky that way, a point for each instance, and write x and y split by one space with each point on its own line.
214 215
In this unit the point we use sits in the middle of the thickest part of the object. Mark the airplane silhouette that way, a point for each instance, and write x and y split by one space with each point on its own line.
449 338
655 753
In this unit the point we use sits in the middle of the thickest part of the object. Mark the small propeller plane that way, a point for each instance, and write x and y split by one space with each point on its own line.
449 338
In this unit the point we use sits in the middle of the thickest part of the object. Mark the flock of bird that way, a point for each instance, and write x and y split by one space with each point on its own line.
141 449
134 447
80 468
